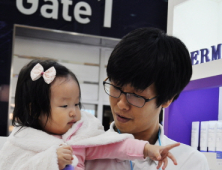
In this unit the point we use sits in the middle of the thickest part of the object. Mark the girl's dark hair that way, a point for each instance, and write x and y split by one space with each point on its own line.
146 56
32 98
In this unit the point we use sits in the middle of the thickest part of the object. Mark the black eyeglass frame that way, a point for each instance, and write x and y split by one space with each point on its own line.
145 100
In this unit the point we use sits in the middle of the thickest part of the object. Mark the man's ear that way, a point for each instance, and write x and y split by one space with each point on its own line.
166 104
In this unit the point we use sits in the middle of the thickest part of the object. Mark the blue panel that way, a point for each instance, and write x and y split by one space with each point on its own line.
195 105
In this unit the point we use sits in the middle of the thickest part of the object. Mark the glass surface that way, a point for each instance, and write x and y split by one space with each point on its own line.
79 53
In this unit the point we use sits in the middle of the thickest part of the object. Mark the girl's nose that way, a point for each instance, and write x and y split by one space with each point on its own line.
123 103
72 112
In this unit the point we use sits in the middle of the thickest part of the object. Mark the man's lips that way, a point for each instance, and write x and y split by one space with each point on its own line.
122 119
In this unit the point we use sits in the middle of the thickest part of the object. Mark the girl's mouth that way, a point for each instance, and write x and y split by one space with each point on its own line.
72 122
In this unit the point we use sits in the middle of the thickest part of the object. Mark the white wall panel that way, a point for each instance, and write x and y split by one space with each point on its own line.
18 63
196 23
84 72
13 85
89 92
220 22
56 50
77 55
106 54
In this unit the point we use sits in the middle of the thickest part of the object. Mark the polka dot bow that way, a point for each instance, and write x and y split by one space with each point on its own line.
38 71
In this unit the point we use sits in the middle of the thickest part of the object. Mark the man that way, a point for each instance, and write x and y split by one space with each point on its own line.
147 71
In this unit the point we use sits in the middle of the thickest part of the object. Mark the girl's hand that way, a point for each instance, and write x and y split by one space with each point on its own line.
160 153
64 155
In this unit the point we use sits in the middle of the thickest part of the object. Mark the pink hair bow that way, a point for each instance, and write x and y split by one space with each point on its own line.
38 71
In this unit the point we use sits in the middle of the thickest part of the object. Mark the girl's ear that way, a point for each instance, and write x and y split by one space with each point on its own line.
165 105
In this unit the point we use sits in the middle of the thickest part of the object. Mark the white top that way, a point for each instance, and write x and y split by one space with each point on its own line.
187 158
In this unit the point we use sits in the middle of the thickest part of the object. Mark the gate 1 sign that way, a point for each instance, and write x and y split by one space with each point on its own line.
82 10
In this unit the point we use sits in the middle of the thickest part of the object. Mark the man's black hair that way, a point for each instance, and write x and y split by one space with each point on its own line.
32 98
146 56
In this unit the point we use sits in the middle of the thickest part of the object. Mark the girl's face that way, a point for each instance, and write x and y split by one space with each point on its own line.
64 103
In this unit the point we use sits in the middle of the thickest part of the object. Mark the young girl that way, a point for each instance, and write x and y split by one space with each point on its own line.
50 128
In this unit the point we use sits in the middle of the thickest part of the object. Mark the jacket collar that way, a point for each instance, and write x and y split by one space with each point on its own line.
32 139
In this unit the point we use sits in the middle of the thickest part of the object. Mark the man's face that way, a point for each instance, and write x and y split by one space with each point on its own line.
131 119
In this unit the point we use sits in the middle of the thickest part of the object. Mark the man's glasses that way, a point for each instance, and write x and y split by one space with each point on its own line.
132 98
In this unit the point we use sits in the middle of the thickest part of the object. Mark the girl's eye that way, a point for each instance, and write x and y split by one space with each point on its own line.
77 104
65 106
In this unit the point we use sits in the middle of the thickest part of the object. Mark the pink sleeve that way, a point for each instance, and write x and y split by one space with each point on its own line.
128 149
80 154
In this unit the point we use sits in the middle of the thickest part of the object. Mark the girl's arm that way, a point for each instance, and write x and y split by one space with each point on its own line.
121 150
128 149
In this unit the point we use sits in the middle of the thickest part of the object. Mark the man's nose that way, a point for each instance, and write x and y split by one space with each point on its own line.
123 103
